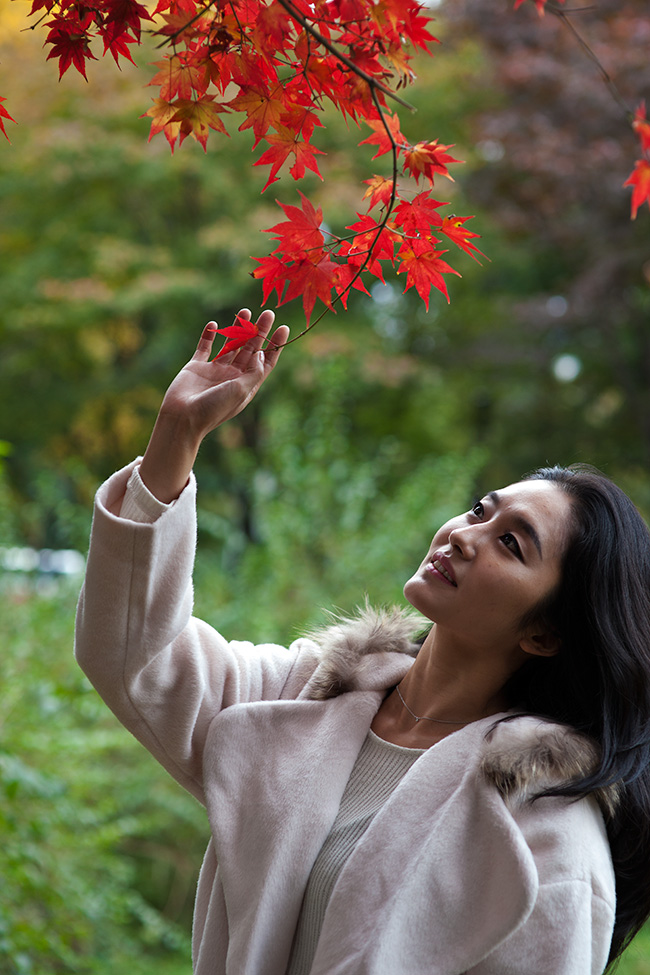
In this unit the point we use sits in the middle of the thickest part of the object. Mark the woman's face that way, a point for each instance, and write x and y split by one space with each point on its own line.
487 568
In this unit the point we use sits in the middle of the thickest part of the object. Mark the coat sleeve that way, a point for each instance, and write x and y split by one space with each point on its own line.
570 928
162 672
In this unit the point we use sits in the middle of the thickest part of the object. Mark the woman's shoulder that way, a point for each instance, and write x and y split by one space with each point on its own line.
524 756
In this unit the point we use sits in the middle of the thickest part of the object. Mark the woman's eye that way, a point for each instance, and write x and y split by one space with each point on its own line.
511 542
478 509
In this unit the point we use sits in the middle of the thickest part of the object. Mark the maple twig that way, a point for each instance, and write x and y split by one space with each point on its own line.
374 84
380 226
173 37
590 53
38 22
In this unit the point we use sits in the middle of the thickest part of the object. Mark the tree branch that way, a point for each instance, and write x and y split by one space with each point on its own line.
380 227
291 10
613 89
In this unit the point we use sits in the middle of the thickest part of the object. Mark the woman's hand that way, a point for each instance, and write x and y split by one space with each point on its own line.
204 394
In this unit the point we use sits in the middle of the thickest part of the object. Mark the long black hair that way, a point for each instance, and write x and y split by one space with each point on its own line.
599 681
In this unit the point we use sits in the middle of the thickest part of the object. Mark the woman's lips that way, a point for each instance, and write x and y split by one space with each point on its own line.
441 566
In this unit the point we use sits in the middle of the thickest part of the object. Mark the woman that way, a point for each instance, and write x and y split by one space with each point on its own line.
480 809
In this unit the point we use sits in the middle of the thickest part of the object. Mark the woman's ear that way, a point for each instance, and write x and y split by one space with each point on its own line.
540 644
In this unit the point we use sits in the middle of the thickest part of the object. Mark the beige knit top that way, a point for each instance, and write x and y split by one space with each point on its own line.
378 770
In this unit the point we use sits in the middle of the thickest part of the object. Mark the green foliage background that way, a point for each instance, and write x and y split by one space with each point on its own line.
374 429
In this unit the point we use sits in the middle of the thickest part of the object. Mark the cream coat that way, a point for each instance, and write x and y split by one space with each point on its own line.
456 874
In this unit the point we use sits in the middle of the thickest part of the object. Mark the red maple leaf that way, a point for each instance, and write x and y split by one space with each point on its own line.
272 28
274 271
4 114
348 277
424 269
312 277
640 180
540 4
70 43
301 233
381 138
418 216
241 331
369 234
642 127
454 229
39 4
124 15
117 44
360 259
309 277
282 145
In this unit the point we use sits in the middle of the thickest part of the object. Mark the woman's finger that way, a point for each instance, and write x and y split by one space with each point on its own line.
274 348
204 347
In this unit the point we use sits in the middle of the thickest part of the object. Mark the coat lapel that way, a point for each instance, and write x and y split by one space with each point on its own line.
441 877
274 794
444 842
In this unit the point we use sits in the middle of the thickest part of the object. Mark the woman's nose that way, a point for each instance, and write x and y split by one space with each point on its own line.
464 540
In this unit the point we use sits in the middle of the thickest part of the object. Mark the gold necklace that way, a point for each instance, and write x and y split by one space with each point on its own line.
422 717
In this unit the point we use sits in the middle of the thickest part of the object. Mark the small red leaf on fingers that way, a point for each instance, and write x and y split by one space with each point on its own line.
237 334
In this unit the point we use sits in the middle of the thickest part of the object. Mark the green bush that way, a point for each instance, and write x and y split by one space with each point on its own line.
98 849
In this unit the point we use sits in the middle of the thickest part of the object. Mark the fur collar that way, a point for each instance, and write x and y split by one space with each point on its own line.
348 645
522 756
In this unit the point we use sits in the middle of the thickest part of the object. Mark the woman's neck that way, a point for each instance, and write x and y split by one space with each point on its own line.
447 687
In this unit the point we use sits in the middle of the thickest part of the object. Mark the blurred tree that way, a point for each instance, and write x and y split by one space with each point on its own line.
562 321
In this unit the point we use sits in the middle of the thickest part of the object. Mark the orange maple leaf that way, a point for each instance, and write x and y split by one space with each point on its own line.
380 191
163 114
241 331
198 117
399 59
179 77
263 110
424 269
427 158
640 180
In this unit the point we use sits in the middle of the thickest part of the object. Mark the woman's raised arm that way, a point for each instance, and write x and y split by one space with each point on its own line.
206 392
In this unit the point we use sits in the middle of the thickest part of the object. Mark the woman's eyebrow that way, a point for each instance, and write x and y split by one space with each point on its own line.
520 522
